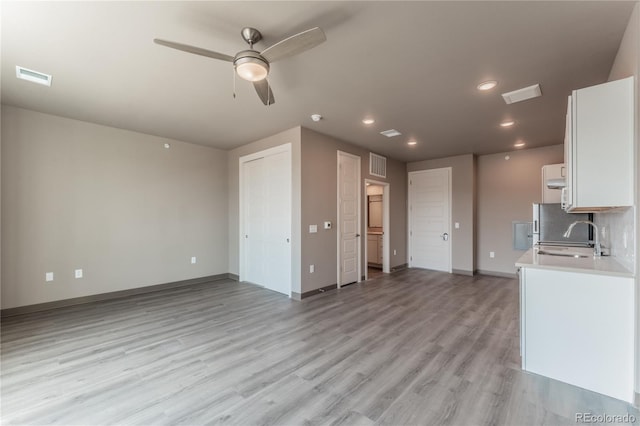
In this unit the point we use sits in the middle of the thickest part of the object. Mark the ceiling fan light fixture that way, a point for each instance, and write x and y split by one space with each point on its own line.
251 68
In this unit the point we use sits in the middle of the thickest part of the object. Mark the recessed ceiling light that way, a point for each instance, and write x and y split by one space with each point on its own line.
368 121
167 146
391 133
487 85
519 144
507 123
33 76
316 117
412 143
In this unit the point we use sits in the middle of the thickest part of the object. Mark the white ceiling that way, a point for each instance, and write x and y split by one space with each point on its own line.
413 66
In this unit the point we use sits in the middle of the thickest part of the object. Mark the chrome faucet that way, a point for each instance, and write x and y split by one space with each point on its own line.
597 249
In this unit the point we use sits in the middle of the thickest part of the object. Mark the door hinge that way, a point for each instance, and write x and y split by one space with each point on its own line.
411 233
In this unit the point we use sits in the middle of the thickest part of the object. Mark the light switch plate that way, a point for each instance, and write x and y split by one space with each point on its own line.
193 260
77 273
48 276
313 229
327 224
457 225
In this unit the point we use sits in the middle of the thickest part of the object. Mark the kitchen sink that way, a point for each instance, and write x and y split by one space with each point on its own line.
564 253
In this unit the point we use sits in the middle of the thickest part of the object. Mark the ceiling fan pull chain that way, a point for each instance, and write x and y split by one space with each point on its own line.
234 83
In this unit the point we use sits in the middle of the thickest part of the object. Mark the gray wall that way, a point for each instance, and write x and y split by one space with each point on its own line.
462 206
233 160
319 198
506 190
115 203
627 63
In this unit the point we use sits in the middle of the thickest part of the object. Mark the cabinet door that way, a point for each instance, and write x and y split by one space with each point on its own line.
372 249
375 211
578 328
602 135
566 195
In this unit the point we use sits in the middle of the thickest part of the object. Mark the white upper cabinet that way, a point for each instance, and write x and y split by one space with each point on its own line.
599 147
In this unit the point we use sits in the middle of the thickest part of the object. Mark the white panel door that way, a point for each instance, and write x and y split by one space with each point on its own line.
278 227
266 206
430 219
348 218
255 213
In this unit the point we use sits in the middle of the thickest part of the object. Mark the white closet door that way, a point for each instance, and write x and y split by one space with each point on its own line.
430 219
254 220
266 216
278 226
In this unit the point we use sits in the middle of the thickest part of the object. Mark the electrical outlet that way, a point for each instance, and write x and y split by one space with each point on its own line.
457 225
193 260
48 276
78 273
312 269
492 254
394 252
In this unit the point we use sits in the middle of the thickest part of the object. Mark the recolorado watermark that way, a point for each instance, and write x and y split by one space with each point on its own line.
605 418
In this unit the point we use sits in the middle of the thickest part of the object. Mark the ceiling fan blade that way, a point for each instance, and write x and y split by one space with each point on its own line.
193 49
264 91
295 44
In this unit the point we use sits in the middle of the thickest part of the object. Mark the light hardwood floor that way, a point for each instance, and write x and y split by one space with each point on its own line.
415 347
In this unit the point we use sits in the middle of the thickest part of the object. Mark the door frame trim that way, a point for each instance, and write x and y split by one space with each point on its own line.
286 147
386 225
338 221
450 214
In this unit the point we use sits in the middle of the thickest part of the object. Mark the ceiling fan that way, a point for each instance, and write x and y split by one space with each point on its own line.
252 65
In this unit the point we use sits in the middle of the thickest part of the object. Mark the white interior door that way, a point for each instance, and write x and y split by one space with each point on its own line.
266 220
430 219
348 218
254 221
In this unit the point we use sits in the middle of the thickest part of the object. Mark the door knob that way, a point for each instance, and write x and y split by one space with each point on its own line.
445 237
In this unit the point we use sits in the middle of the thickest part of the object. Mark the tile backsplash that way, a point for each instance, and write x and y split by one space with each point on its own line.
617 233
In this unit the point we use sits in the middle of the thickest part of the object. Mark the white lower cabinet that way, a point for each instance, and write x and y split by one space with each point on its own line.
374 249
578 328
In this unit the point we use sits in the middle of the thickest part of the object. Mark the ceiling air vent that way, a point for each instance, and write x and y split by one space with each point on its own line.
522 94
33 76
377 165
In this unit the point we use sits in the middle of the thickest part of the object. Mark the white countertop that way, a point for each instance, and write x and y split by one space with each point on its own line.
605 265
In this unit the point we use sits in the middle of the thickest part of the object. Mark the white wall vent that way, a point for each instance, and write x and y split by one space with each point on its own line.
377 165
33 76
522 94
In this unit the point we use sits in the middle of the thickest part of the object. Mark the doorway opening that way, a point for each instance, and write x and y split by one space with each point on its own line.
377 249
